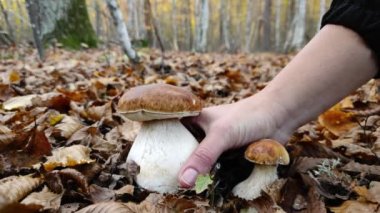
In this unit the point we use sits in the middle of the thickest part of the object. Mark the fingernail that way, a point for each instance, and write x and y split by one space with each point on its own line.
189 176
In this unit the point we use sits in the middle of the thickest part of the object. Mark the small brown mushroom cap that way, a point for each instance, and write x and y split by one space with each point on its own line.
267 152
158 101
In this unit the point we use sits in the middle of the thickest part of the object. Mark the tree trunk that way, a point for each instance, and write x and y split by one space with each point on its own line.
258 29
9 26
224 25
154 24
140 18
322 11
296 36
136 21
122 30
278 25
203 26
148 22
98 19
174 25
187 24
197 29
133 19
267 25
67 21
35 19
248 26
4 38
237 42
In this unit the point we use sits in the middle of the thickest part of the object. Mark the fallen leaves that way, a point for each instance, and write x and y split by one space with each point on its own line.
68 157
59 128
45 198
337 121
14 188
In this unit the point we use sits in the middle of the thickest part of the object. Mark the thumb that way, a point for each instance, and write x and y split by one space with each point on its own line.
201 160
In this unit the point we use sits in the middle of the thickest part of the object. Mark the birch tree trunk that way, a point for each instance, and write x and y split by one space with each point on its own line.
174 25
187 24
225 22
278 24
67 21
7 22
122 30
203 26
248 26
238 41
157 35
130 17
296 37
257 35
98 19
35 19
140 18
136 21
133 19
267 25
197 18
322 11
148 22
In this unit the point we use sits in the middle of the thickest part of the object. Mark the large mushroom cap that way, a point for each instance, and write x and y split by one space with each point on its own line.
267 152
158 101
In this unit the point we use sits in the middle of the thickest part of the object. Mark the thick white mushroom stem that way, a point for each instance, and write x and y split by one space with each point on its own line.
261 177
160 149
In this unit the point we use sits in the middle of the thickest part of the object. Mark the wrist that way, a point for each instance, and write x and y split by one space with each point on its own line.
280 122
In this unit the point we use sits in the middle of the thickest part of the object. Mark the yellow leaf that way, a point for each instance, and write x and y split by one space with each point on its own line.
54 119
68 156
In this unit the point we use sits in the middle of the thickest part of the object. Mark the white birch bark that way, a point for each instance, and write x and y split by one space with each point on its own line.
130 17
197 18
140 18
122 30
188 28
248 26
8 23
133 19
136 22
203 27
98 19
296 36
225 22
174 25
267 24
278 24
322 11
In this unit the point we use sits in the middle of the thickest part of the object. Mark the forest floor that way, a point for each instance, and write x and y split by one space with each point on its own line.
63 145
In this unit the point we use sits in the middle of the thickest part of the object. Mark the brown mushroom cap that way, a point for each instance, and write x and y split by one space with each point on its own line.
267 152
158 101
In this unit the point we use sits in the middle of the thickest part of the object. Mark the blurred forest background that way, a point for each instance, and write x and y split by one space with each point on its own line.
186 25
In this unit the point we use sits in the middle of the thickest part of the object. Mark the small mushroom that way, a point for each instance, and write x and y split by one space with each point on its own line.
163 144
266 154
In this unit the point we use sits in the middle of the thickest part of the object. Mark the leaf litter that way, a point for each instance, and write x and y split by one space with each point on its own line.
63 146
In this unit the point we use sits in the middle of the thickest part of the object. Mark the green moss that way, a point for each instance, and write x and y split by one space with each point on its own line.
76 27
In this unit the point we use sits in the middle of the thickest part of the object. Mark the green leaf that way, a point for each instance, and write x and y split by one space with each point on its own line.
202 183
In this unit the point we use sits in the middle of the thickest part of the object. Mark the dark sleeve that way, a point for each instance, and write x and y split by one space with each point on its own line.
362 16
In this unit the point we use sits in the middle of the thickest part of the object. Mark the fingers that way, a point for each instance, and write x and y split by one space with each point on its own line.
202 159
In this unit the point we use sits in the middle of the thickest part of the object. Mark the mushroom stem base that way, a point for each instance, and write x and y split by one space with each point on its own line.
160 149
261 177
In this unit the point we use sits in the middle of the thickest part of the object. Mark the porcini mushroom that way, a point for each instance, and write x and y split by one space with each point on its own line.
163 144
266 154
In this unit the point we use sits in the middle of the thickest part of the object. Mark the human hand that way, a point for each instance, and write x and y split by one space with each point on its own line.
231 126
321 74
